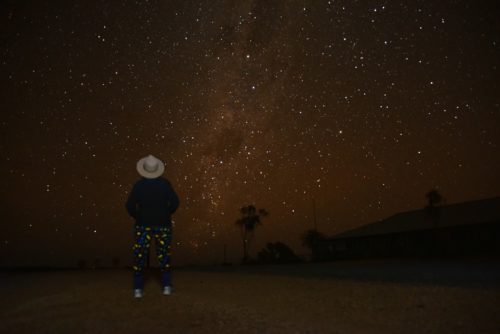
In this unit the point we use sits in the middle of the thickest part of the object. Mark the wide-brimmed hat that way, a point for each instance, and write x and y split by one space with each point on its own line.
150 167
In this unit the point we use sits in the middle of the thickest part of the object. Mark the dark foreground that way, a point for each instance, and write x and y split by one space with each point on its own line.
359 297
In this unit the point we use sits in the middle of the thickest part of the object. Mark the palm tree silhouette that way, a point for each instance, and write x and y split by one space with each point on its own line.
313 239
250 219
433 198
433 209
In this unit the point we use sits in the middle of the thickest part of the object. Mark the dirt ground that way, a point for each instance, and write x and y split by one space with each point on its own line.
304 298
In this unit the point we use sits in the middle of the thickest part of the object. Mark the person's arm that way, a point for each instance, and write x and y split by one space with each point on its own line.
131 204
174 202
173 199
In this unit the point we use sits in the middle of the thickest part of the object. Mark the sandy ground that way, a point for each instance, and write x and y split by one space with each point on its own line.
369 297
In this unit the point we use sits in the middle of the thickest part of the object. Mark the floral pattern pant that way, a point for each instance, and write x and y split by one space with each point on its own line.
143 236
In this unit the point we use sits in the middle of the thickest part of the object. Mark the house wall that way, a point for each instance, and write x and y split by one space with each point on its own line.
463 240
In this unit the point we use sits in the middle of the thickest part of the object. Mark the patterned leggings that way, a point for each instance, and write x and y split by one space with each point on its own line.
143 236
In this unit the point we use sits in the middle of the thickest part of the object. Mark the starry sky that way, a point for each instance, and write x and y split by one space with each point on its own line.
356 108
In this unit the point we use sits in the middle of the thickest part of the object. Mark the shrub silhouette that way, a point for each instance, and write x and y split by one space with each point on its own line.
277 252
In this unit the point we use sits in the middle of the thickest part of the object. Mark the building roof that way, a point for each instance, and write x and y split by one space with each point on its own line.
466 213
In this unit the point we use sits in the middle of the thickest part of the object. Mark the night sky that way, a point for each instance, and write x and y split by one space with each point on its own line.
361 106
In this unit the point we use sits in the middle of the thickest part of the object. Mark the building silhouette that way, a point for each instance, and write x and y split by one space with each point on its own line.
464 229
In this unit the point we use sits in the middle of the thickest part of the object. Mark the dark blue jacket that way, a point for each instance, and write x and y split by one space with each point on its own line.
152 202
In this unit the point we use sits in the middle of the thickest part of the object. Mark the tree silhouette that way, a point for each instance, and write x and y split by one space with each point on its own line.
251 217
433 209
313 240
434 198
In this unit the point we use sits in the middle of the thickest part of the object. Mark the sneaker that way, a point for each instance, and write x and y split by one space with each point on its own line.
167 290
138 293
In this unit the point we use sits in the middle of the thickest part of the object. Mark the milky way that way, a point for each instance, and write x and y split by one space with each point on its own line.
361 107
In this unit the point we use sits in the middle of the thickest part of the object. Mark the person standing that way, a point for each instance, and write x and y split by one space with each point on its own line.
151 203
